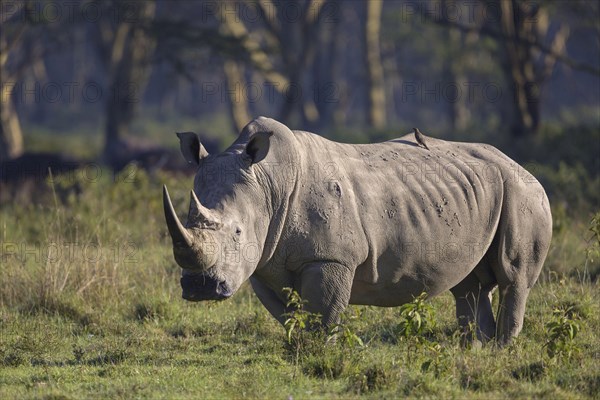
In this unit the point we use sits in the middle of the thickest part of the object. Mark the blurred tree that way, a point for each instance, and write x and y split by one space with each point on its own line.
295 36
522 25
320 63
27 38
327 70
125 50
290 31
233 67
528 51
13 28
237 94
455 70
375 80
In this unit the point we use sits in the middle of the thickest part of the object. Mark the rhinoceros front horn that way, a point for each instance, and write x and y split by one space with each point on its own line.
181 237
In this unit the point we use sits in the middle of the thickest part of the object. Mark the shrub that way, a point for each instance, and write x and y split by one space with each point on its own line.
418 317
562 330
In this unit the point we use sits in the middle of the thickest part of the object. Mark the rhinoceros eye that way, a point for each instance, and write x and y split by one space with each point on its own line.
238 231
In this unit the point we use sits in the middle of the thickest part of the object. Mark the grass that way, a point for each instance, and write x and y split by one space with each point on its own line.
90 307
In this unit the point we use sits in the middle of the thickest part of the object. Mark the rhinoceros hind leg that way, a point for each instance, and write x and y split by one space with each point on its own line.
517 254
511 311
474 309
520 247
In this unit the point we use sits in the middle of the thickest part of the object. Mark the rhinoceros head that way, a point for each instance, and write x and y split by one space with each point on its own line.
221 243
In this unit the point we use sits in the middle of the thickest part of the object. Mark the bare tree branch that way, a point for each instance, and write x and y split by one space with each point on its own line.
490 32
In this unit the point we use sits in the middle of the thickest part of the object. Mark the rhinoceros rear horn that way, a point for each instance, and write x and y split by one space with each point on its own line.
180 236
205 216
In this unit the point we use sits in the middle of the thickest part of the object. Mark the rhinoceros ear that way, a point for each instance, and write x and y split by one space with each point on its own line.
258 146
191 148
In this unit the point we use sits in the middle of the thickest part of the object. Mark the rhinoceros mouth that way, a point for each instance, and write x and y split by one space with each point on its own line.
198 287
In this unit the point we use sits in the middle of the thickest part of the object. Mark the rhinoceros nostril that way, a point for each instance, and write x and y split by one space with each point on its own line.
223 290
198 287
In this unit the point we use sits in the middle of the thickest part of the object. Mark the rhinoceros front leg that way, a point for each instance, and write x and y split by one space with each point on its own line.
326 287
269 299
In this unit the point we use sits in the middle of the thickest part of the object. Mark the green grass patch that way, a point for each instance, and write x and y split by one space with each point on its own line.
90 307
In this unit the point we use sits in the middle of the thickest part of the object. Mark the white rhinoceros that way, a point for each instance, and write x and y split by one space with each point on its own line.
374 224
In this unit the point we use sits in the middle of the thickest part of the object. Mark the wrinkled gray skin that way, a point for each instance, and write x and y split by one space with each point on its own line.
373 224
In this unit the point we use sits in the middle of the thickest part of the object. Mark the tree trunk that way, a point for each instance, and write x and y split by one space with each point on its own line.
454 74
258 58
519 23
129 52
238 100
375 84
11 137
325 70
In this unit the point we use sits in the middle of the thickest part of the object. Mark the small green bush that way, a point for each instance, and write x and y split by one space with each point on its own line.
417 317
562 331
